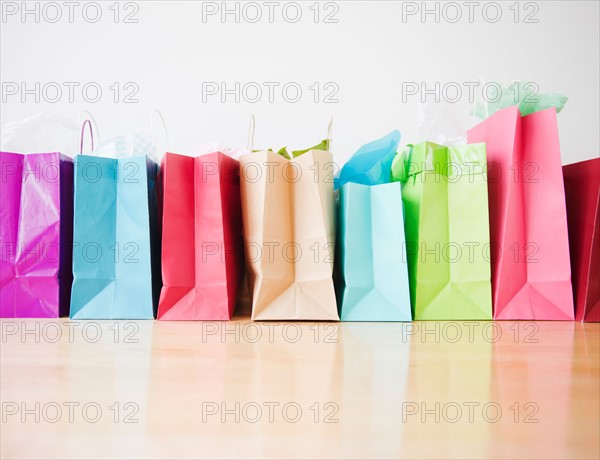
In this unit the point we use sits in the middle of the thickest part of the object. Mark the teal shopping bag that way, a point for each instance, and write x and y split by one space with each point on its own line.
116 266
372 265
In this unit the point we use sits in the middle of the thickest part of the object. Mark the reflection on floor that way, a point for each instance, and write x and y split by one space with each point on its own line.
101 389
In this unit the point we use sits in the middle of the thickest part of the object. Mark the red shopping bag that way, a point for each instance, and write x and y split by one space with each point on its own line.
531 271
582 189
201 237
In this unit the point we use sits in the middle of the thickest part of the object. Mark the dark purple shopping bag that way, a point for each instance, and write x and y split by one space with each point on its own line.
36 234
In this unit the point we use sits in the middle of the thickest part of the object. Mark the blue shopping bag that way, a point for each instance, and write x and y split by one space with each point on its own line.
372 265
116 241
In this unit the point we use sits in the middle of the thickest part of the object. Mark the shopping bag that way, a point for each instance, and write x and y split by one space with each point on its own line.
36 220
444 192
582 190
202 252
116 241
289 233
371 254
531 274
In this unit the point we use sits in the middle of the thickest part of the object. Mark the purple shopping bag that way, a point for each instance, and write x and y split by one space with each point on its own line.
36 234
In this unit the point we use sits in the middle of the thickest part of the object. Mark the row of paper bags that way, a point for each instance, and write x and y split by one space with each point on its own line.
428 232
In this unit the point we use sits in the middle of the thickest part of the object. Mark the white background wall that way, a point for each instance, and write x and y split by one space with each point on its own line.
368 54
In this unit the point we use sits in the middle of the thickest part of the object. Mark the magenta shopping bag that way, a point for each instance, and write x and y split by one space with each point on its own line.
36 233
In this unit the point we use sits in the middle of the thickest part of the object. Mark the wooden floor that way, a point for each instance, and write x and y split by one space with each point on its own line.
302 390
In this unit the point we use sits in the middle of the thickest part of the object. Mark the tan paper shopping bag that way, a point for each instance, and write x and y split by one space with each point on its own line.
289 233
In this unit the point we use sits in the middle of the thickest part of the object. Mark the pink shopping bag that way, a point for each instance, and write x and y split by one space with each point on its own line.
531 273
202 251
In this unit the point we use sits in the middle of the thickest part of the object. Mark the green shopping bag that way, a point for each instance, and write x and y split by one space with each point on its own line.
444 191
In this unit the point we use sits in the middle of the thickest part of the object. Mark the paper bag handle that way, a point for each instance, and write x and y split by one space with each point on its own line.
83 117
250 143
476 101
164 125
251 128
329 134
88 123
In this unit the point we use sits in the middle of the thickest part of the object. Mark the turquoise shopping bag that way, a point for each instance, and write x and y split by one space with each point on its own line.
372 265
116 252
